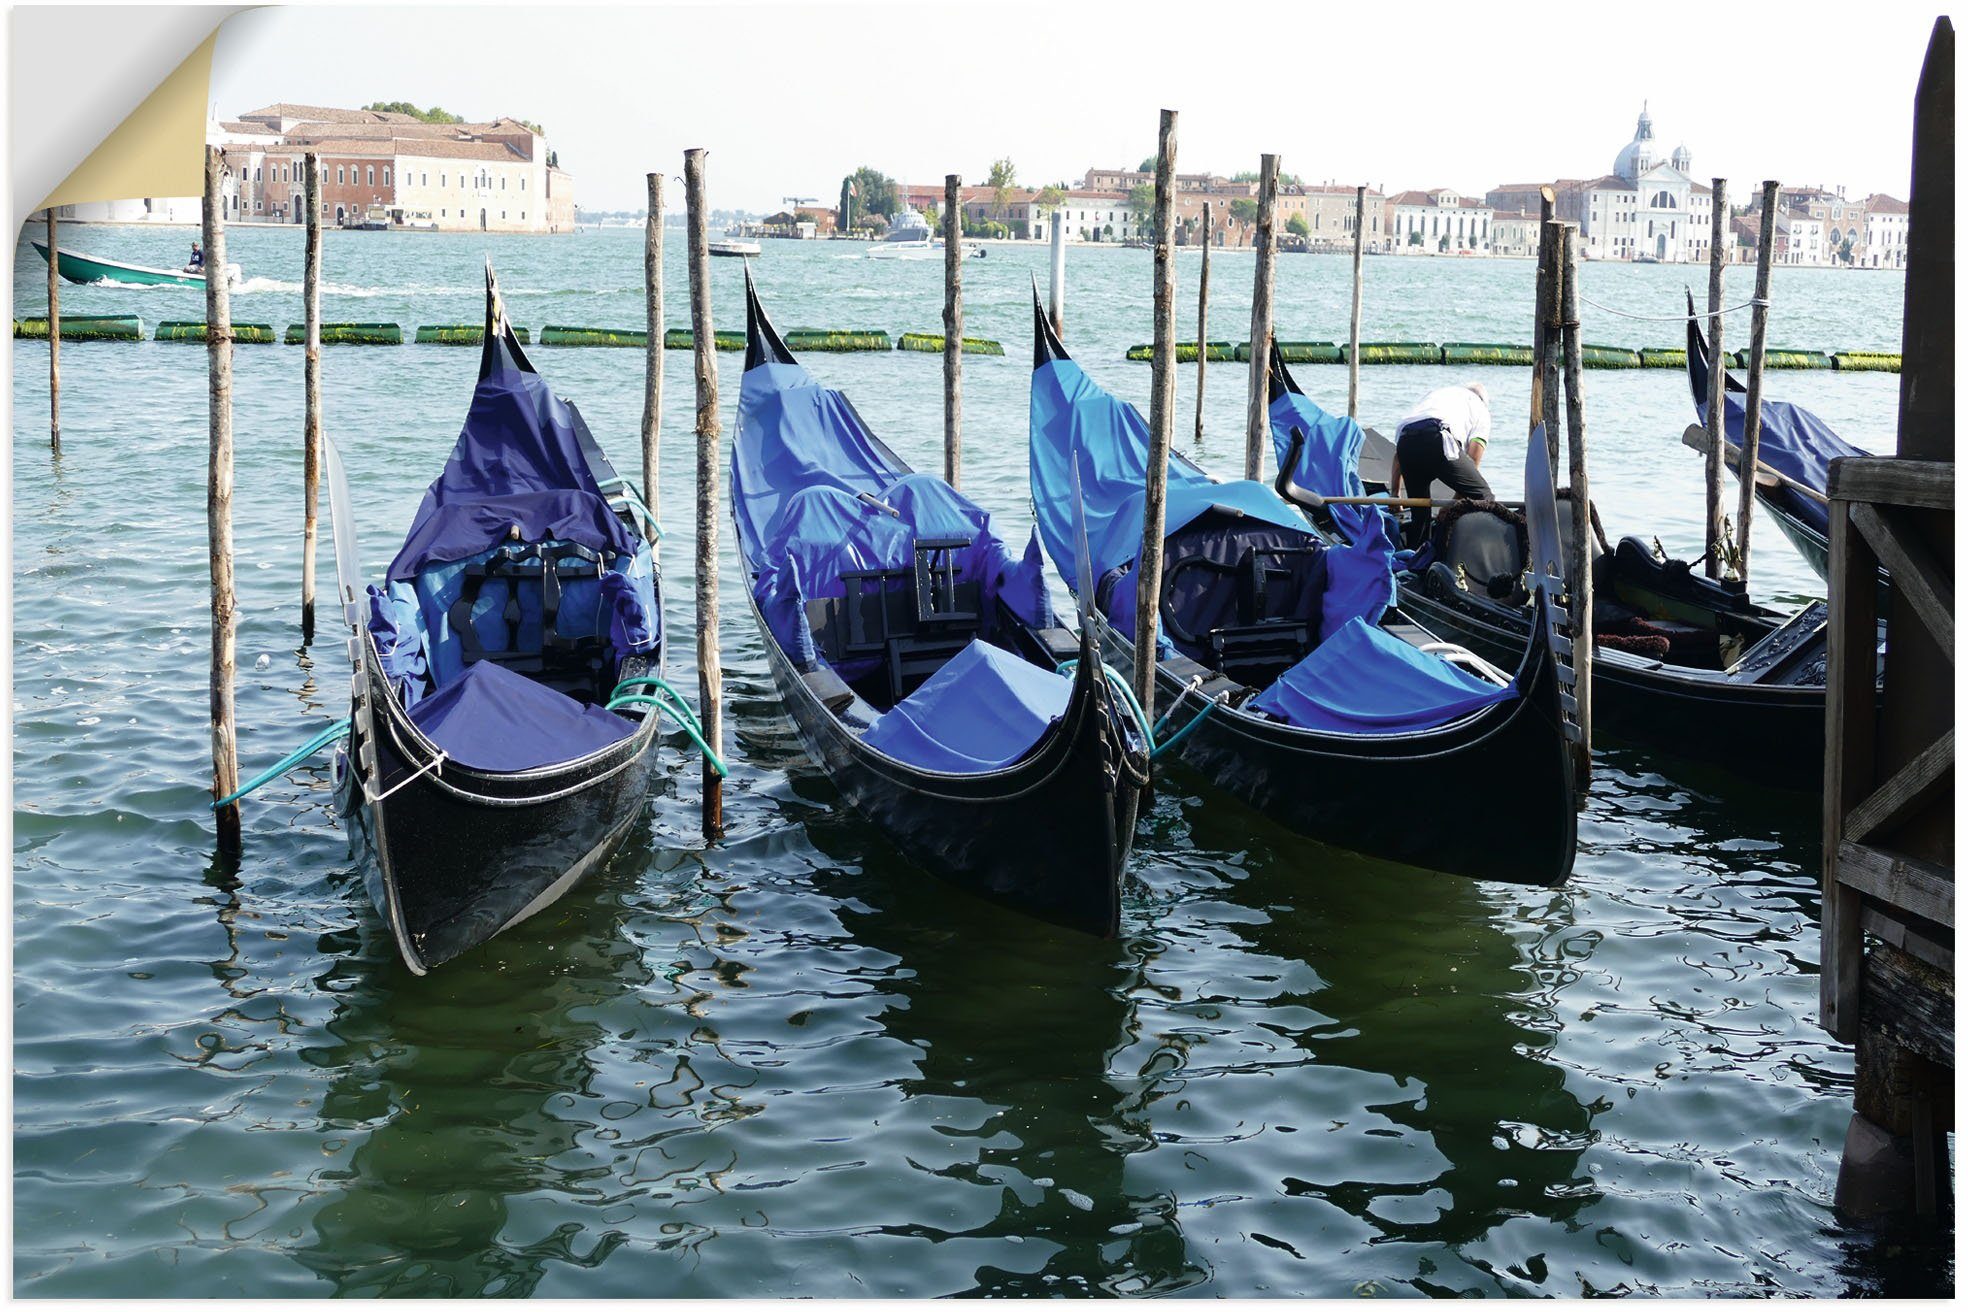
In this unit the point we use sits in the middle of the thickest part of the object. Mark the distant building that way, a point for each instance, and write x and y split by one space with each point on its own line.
1885 233
1514 233
1329 210
1438 221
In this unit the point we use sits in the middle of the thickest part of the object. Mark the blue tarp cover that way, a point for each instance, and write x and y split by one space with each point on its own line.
1364 680
517 461
1794 442
982 711
1329 463
795 434
490 718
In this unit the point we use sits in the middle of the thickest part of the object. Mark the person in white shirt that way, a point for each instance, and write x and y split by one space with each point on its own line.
1442 440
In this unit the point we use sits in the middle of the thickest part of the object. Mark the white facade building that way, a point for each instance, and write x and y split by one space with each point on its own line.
1885 233
1648 208
1099 216
1440 221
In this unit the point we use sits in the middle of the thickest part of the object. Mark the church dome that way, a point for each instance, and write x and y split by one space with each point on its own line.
1641 153
1683 159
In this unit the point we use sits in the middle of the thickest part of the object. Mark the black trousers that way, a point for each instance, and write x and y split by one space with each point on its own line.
1422 464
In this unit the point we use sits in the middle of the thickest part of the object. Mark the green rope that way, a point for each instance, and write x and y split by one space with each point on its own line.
630 495
1169 743
332 733
1127 695
685 720
650 680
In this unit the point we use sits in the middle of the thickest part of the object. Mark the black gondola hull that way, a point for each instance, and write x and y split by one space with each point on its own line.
455 856
1771 734
1048 836
1488 797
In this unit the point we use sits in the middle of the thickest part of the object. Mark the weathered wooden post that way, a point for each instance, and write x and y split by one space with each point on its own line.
1578 585
54 335
1161 423
1258 429
1549 348
1202 325
1759 322
952 329
1353 329
1718 369
652 384
218 505
1056 301
710 673
310 389
1541 318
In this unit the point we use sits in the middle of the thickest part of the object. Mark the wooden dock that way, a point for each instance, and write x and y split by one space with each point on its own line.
1887 983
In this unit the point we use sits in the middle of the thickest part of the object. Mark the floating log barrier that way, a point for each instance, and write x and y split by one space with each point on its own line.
1784 358
1185 352
1663 357
681 339
462 334
838 339
1300 352
933 344
105 328
1486 353
193 330
1609 357
348 334
560 334
1884 362
1400 353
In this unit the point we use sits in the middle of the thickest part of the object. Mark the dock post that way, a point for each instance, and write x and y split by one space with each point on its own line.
1202 325
310 390
952 329
1578 587
710 673
652 383
218 506
1161 424
1718 369
54 335
1759 322
1258 429
1056 300
1353 327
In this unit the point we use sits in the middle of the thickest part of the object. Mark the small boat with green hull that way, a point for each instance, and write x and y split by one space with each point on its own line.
90 268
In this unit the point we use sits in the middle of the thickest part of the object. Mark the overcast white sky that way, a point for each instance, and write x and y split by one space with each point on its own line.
1403 93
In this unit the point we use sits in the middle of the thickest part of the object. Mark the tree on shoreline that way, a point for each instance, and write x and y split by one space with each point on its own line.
431 115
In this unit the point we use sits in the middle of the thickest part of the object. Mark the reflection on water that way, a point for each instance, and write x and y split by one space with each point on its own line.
792 1065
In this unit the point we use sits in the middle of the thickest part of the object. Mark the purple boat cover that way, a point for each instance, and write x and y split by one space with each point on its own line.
490 718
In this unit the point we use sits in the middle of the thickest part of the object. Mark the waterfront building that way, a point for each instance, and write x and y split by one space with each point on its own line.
1514 233
1438 221
1329 210
1885 244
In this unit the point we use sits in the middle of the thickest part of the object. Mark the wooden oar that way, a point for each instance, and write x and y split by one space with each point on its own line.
1695 438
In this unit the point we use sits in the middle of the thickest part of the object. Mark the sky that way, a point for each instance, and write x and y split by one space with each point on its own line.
789 98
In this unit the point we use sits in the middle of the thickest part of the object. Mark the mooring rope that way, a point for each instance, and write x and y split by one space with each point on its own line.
675 707
1751 303
332 733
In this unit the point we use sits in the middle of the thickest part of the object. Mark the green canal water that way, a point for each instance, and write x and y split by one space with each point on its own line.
789 1064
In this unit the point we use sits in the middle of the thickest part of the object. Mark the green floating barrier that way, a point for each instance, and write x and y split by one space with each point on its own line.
1609 357
1298 352
933 342
1663 357
682 339
348 334
1185 352
193 330
560 334
1775 358
838 339
83 328
461 334
1485 353
1398 353
1883 362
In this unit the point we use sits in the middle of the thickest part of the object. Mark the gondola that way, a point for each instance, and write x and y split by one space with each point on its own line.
919 660
1681 662
1281 678
502 726
1791 441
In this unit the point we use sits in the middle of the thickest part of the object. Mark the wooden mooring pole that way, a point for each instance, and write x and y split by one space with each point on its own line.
218 506
1353 325
1578 582
1202 325
652 383
310 390
54 334
1161 423
1544 390
1715 538
1759 322
1257 431
953 256
710 673
1056 300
